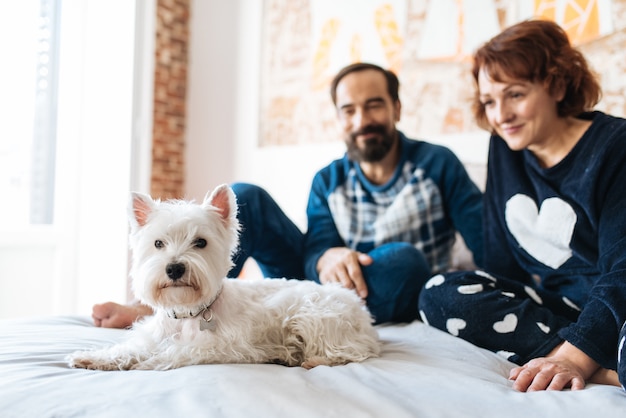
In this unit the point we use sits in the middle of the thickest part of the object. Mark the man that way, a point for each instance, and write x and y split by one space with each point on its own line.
381 220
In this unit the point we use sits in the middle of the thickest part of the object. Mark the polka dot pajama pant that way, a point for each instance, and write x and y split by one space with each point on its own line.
516 321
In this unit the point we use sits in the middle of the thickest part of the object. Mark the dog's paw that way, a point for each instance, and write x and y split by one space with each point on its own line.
318 361
85 362
92 360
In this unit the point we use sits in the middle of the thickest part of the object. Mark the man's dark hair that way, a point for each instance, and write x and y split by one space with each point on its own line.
393 85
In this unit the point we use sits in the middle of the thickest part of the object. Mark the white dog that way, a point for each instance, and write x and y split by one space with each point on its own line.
181 253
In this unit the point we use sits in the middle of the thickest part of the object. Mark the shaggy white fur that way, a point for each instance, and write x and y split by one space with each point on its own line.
181 252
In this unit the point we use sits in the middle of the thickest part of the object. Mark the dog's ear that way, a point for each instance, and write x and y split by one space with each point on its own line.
139 208
223 198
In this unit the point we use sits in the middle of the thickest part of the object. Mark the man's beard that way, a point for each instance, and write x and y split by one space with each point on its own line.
375 148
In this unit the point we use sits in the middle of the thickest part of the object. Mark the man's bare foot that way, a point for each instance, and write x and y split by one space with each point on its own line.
114 315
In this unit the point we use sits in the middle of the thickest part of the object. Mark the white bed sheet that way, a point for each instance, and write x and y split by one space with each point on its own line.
422 373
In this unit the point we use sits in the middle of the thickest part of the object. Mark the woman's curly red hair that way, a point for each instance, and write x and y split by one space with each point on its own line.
538 51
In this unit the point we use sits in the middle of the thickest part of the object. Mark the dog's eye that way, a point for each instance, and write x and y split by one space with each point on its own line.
200 243
159 244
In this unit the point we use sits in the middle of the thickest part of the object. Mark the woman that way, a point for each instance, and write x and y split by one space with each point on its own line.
552 296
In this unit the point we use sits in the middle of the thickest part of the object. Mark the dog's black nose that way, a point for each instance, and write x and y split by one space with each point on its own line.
175 270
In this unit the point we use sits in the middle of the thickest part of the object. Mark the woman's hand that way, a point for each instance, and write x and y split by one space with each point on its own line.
547 373
565 367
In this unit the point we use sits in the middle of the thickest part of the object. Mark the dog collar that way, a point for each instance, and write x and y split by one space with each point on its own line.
204 312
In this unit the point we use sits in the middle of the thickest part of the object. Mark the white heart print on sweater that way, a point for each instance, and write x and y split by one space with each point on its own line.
546 233
507 325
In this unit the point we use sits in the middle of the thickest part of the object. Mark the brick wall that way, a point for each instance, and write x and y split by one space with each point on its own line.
170 87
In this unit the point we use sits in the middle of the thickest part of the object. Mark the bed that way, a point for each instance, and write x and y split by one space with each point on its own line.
422 372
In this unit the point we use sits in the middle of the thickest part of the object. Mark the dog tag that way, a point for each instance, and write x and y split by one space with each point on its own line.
204 325
207 323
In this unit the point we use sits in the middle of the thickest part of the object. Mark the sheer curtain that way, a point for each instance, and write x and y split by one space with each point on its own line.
75 112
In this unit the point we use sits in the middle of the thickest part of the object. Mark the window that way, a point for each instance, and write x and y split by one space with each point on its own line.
29 40
44 136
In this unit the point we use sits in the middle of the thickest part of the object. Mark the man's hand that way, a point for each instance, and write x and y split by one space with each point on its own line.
114 315
343 265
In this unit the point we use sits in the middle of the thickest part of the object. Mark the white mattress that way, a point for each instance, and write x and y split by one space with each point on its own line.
422 373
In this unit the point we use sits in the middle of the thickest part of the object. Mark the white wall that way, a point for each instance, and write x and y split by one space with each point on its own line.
223 104
223 113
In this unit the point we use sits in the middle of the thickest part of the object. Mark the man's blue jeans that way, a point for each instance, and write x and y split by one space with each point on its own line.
267 235
621 356
394 279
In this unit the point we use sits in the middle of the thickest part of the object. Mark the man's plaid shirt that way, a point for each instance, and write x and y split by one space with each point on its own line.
428 199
